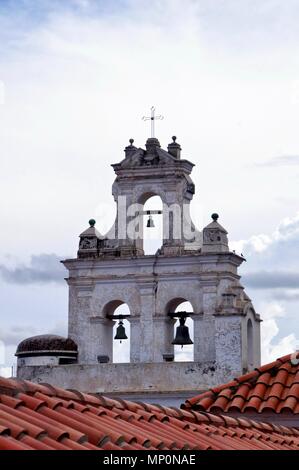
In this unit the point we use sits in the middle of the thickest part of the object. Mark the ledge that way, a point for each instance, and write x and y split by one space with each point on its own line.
131 377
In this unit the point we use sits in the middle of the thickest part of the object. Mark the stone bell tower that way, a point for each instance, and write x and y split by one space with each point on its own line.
191 266
141 175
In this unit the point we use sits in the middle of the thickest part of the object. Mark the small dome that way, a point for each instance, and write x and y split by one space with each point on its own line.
43 343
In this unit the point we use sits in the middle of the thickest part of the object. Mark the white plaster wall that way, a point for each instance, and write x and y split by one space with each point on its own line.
147 285
151 377
228 343
37 361
256 341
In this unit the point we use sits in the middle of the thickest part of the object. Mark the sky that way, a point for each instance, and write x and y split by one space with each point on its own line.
77 76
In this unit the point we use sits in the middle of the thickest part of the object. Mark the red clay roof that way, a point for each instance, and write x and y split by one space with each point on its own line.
272 387
40 416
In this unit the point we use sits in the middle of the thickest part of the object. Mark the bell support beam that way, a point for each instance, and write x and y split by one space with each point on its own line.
150 212
118 317
180 314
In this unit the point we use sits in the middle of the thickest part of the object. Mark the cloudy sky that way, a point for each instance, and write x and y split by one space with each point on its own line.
76 77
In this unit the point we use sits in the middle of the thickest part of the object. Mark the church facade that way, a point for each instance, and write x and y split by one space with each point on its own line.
190 266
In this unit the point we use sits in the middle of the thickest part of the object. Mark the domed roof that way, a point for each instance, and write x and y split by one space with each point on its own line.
46 343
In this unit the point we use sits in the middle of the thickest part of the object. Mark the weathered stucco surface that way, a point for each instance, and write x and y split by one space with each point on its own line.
146 377
112 269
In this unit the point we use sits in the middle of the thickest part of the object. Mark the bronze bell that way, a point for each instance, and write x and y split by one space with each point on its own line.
182 336
120 331
150 222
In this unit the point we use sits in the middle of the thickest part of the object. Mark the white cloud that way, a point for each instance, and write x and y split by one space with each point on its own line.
43 268
271 349
77 86
287 230
256 243
10 338
5 372
272 277
13 335
78 81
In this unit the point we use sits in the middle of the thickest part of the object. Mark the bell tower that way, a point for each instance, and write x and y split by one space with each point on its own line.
139 176
190 266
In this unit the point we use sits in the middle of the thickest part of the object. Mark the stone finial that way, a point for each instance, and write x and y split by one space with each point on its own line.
130 149
174 148
151 155
152 144
89 241
215 237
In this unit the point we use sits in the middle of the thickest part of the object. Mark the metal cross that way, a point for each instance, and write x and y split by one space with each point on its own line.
152 117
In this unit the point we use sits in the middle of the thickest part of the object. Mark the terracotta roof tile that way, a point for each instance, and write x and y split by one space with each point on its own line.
32 402
264 378
282 376
266 367
204 403
276 390
247 377
10 401
257 391
216 390
4 429
9 443
288 404
219 404
294 390
14 429
272 387
226 392
237 403
270 404
243 390
253 403
204 396
42 417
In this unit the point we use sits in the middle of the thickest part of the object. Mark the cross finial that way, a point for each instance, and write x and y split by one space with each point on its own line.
152 118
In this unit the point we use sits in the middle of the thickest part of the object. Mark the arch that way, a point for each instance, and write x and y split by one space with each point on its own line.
250 352
152 237
172 304
145 193
182 304
120 349
111 306
144 197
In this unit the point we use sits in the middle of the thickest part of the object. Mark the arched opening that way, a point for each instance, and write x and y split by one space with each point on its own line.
185 353
250 345
120 347
153 234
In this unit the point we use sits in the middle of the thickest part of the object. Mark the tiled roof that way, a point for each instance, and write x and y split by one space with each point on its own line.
273 387
40 416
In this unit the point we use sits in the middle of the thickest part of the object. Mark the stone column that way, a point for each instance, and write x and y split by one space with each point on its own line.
134 338
172 224
257 343
163 336
147 306
79 313
204 338
209 297
100 341
204 325
228 346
